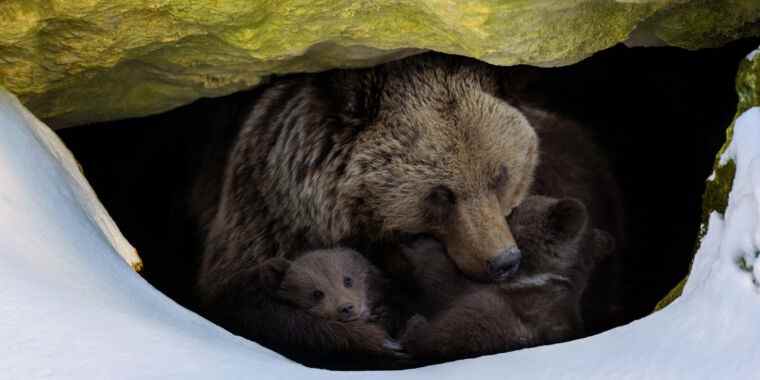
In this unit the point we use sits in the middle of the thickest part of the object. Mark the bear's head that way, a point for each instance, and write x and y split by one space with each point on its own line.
557 240
329 283
445 157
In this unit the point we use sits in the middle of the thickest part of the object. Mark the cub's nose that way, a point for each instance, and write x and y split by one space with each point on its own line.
505 264
346 312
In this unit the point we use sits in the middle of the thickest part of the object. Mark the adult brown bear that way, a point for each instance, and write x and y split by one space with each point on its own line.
424 145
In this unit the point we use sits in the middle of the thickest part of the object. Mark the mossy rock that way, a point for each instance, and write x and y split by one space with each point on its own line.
75 62
700 24
719 184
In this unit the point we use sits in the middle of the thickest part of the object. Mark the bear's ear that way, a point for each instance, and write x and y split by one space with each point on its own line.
272 272
566 219
604 244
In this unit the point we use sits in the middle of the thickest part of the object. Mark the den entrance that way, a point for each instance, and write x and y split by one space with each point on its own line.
659 114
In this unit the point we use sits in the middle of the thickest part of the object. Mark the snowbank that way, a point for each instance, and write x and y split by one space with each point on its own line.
71 308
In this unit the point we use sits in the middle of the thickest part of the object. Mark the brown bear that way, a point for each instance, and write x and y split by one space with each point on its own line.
570 165
319 309
348 157
541 304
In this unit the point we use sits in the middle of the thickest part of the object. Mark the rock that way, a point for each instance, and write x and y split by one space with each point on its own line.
94 60
719 184
707 23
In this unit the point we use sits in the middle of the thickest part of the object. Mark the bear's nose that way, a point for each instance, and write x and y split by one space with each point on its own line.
346 312
505 264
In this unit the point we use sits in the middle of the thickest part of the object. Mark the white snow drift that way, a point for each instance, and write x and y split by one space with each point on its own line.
71 308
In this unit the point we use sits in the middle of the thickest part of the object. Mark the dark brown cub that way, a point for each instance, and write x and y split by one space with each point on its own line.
541 304
318 309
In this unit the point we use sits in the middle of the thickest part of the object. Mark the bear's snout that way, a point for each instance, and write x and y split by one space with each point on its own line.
480 241
505 264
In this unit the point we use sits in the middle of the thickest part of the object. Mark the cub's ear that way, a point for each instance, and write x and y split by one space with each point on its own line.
566 219
272 272
604 243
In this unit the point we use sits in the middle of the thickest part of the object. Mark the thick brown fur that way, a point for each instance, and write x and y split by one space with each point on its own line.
296 308
421 145
540 305
570 165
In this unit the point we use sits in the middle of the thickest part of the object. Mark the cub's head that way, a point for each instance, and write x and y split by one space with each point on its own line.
557 241
445 157
330 283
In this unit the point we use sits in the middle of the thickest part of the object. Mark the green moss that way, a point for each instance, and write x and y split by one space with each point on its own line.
699 24
74 62
717 190
748 84
672 295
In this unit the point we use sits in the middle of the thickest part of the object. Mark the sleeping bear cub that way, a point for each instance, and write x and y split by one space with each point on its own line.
320 309
460 318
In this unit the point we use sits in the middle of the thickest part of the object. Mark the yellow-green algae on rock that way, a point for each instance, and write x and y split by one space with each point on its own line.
74 62
699 24
718 186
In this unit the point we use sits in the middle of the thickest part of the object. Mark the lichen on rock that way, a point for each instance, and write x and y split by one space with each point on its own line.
700 24
75 62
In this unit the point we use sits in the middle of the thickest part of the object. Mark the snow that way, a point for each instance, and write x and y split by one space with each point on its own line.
71 308
751 56
744 199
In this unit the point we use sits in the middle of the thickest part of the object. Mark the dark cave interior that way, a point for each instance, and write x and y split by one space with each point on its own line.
659 113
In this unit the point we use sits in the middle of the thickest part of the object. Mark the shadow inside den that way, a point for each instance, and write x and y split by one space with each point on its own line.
659 114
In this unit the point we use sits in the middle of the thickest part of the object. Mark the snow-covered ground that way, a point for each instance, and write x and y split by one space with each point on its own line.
71 308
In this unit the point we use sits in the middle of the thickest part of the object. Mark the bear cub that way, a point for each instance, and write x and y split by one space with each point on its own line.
461 318
321 308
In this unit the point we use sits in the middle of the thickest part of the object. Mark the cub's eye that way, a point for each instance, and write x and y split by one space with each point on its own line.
348 282
317 295
501 178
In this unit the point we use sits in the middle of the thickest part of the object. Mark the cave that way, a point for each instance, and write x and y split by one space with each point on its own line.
659 114
106 105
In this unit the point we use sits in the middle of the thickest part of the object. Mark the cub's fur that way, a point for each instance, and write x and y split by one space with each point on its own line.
571 166
540 305
318 309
